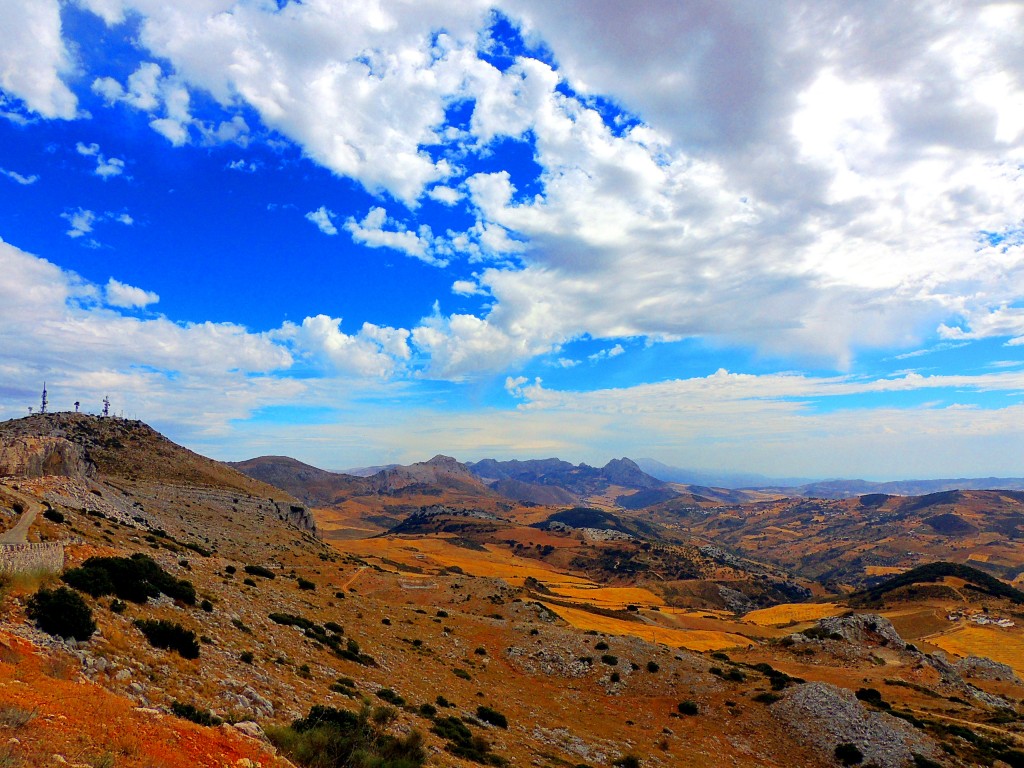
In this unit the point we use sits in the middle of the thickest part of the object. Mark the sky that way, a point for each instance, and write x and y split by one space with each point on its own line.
783 237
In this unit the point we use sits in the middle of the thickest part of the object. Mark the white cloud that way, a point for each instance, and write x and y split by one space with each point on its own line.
604 354
17 177
374 351
119 294
444 195
243 166
80 221
322 218
466 288
806 181
372 233
34 58
105 167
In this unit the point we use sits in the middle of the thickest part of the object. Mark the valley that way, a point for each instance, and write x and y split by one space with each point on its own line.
682 628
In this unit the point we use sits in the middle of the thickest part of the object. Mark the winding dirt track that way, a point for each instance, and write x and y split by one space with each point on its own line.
19 533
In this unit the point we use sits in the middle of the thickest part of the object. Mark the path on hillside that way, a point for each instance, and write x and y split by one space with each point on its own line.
355 576
31 507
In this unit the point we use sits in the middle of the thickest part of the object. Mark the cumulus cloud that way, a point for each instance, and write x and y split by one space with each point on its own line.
167 100
604 354
373 351
105 167
322 217
378 230
53 322
19 178
120 294
808 180
80 222
34 58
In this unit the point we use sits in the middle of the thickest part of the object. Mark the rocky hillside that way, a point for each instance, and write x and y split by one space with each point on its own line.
854 540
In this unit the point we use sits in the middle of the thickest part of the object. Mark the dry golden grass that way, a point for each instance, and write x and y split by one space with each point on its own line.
882 570
694 640
787 613
435 552
615 598
996 643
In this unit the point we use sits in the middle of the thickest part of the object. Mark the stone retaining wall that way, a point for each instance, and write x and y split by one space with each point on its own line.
45 556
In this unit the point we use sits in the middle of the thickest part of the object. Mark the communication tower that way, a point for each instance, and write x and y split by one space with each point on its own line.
42 405
106 406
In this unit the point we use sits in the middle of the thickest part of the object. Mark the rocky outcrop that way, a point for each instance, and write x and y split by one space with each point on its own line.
863 629
299 516
980 668
825 716
28 457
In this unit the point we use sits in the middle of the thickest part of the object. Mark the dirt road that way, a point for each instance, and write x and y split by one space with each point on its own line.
30 506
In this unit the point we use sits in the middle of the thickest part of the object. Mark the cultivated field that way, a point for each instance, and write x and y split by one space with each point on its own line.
790 613
694 640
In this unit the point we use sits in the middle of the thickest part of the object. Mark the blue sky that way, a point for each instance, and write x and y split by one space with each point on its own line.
722 235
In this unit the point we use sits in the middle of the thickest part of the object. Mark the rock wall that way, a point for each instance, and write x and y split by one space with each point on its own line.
45 556
40 456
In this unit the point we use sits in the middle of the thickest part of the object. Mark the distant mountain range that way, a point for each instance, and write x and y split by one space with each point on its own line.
825 489
555 482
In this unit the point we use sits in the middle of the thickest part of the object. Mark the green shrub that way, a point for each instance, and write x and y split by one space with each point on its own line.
61 612
334 627
601 645
230 569
193 713
259 570
170 636
390 697
461 742
441 701
652 667
427 710
53 516
247 657
767 698
118 606
249 582
291 620
610 660
336 738
207 606
614 677
492 716
306 584
481 651
461 673
688 708
136 578
627 761
848 754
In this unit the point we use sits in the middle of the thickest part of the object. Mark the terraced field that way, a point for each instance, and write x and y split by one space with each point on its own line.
997 643
789 613
694 639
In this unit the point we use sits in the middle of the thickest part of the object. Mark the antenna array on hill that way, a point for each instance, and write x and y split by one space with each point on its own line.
42 405
106 406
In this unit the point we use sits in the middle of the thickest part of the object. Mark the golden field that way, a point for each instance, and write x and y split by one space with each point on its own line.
789 613
694 640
